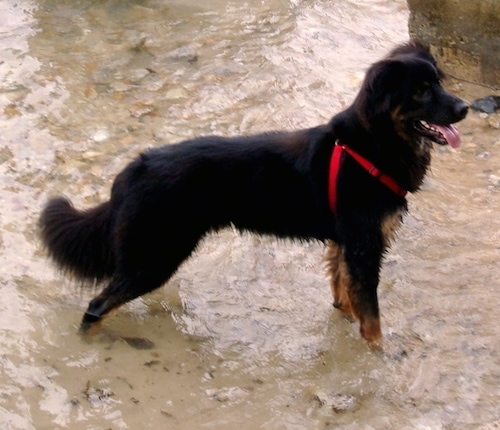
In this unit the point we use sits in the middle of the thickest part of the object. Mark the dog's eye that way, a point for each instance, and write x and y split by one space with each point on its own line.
422 92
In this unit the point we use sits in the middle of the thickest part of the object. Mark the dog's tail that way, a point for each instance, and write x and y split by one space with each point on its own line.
79 242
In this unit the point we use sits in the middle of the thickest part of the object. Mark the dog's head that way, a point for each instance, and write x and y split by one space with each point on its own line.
405 89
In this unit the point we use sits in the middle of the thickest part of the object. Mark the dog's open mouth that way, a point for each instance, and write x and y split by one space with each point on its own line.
441 134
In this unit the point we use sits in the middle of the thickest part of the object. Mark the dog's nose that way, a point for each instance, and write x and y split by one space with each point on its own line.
461 109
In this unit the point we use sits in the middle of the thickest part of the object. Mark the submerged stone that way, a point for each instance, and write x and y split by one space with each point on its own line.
488 104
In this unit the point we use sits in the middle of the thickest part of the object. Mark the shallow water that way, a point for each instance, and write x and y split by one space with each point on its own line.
244 334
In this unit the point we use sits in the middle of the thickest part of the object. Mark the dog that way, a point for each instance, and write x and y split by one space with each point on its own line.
342 183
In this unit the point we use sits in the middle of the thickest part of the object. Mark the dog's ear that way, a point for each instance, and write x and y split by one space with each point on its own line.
415 50
380 88
412 48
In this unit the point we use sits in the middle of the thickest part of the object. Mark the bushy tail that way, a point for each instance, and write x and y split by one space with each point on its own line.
79 242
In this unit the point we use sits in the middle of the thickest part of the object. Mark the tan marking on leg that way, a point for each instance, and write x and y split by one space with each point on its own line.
370 329
88 331
347 295
370 325
91 329
369 321
390 225
340 279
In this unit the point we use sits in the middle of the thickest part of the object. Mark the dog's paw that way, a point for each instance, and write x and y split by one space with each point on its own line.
346 311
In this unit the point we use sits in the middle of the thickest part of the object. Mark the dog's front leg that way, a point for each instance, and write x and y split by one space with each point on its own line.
363 262
354 269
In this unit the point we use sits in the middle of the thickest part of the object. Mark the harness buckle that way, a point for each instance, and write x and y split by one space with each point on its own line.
374 172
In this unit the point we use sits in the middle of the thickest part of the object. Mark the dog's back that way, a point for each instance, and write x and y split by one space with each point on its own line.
255 183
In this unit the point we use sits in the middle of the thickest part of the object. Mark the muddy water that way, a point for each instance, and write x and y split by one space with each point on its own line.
244 335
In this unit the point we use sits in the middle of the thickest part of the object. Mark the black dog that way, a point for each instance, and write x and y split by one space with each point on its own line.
320 183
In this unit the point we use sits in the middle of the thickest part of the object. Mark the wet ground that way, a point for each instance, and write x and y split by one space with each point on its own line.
244 336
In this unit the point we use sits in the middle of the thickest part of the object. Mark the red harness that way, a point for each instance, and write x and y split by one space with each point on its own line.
337 153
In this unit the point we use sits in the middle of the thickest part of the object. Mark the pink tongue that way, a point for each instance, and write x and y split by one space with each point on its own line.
450 133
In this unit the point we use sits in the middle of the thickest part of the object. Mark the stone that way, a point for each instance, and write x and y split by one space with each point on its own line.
488 104
464 35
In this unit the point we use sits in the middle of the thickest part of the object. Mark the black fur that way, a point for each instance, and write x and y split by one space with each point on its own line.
79 242
275 183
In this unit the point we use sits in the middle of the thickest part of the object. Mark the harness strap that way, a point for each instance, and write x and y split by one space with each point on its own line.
335 162
334 171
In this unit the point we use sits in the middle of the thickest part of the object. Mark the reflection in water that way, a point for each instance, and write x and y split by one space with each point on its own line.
244 334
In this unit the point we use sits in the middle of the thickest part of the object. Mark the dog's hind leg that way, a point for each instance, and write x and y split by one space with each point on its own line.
339 279
136 276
